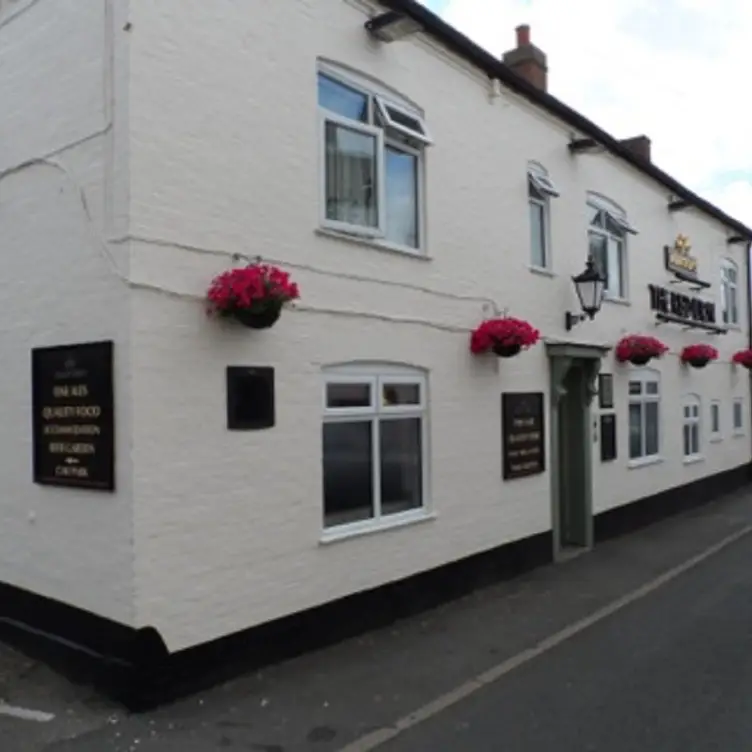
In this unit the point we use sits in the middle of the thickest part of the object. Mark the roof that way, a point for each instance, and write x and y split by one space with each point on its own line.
495 68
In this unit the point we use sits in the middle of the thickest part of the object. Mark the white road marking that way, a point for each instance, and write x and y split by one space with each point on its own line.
381 736
25 714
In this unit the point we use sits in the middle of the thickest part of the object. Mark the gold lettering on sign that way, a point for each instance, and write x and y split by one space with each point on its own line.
519 438
53 429
71 471
61 447
75 390
72 411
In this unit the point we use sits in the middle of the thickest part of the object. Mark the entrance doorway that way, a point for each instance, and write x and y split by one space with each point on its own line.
574 372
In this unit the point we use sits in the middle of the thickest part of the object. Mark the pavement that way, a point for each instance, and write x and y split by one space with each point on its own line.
642 644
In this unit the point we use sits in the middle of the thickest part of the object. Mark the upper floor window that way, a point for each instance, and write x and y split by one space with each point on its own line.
691 426
372 163
607 240
374 446
540 190
729 292
644 414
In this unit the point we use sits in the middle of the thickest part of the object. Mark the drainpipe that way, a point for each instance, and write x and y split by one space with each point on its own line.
748 271
749 288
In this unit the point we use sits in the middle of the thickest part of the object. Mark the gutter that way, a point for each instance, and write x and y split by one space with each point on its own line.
495 69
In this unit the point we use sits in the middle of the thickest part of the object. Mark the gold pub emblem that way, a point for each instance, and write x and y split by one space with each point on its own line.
679 259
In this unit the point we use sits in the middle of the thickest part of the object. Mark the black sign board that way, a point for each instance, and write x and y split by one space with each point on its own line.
608 437
605 391
693 311
74 416
250 398
524 435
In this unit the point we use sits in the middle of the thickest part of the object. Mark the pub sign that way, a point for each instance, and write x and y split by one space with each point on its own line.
523 439
679 260
74 416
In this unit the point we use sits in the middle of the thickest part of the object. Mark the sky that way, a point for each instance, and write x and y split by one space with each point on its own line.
676 70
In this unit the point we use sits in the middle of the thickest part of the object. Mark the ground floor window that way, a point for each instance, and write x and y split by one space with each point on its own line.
738 415
644 414
691 426
374 447
715 420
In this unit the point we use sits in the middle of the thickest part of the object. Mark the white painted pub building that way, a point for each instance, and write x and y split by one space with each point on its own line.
171 470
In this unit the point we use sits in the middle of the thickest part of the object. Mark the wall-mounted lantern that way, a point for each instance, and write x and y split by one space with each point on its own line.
391 26
590 286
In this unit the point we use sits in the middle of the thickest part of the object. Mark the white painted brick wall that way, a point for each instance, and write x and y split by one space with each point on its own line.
224 156
214 146
57 288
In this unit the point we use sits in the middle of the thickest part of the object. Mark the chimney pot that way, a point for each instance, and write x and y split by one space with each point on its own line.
526 60
639 146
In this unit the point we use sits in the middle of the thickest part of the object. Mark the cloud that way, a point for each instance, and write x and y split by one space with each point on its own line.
675 70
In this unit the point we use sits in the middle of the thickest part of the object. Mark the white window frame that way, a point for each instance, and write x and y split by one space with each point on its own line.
729 315
611 210
538 175
391 134
364 231
715 407
644 376
538 179
377 376
738 430
420 194
384 107
693 403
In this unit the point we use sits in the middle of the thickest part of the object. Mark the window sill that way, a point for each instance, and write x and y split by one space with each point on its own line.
693 459
738 434
357 530
715 439
542 270
370 242
644 461
616 301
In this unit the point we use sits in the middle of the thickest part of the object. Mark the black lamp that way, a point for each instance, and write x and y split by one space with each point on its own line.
392 26
590 286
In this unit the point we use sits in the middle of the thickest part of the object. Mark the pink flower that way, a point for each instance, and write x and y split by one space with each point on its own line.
504 332
743 358
639 346
699 352
255 287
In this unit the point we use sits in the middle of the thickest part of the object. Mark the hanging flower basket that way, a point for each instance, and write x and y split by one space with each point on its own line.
698 356
505 337
253 295
743 358
639 349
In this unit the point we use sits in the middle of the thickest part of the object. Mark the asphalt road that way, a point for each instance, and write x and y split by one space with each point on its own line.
672 672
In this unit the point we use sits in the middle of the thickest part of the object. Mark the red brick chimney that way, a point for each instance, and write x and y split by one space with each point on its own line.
527 61
639 146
